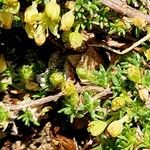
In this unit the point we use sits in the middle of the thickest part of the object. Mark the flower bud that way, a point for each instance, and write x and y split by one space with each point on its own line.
75 40
134 74
56 78
117 103
68 88
96 127
52 10
67 21
115 128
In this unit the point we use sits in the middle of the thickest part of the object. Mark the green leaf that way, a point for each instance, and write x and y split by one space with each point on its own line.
146 78
3 115
27 118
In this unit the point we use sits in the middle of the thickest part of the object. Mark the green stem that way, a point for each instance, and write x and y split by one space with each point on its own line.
77 28
111 119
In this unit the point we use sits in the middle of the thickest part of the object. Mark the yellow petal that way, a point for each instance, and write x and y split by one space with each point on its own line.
147 54
67 21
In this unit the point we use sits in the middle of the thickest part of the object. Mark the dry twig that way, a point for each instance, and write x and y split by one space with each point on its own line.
124 9
38 102
145 38
102 94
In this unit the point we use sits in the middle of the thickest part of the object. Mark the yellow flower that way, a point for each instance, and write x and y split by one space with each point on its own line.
31 13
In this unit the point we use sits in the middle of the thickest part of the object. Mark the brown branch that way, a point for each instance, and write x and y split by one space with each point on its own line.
89 88
125 9
38 102
145 38
103 93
